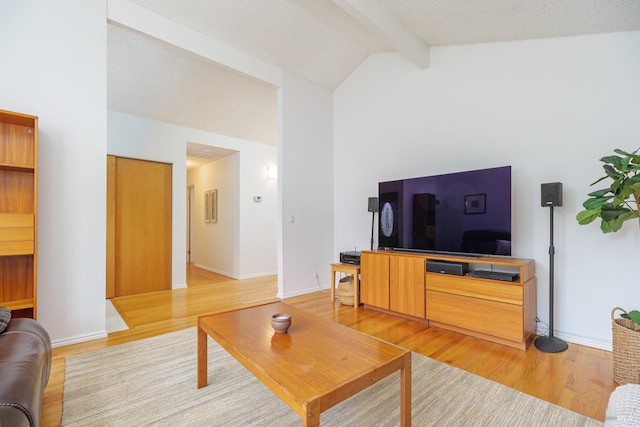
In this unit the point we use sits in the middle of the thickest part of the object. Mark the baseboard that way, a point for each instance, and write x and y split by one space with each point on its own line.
253 276
79 339
305 292
588 341
214 270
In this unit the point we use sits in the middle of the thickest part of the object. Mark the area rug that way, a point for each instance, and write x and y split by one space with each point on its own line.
152 382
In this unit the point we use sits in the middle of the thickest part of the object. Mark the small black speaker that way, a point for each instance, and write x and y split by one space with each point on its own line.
373 204
551 194
448 267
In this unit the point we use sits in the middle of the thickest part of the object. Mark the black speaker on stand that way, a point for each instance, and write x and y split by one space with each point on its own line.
373 208
551 196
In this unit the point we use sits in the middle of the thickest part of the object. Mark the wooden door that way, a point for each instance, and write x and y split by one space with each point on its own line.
138 226
374 286
406 285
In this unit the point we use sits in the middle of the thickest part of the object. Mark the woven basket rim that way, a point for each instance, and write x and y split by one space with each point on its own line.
625 323
626 342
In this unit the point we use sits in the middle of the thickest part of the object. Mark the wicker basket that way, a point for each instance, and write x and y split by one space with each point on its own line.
626 349
345 290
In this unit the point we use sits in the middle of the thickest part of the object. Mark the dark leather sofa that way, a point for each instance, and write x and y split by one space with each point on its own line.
25 365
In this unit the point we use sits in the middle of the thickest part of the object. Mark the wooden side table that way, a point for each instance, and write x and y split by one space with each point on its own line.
347 269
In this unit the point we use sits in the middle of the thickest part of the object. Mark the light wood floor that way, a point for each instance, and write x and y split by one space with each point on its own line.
579 379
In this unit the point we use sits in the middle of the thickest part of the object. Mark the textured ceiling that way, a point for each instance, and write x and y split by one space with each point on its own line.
454 22
317 40
199 154
149 78
311 38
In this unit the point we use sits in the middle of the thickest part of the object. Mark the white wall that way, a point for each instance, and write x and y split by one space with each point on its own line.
53 57
305 186
258 220
141 138
550 108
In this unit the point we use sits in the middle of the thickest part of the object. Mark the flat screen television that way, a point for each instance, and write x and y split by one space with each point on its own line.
463 213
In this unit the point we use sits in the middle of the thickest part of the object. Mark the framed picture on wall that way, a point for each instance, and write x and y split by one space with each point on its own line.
213 206
475 204
207 206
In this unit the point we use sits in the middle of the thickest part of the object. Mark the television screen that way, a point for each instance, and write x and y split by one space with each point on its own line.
457 213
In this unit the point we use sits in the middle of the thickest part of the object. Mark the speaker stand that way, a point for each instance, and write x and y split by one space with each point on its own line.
373 217
551 344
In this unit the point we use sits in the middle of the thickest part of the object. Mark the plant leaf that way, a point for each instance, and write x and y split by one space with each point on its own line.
635 316
595 203
599 179
588 216
605 226
616 223
599 193
633 155
610 212
615 186
623 193
625 163
614 160
624 153
629 215
611 172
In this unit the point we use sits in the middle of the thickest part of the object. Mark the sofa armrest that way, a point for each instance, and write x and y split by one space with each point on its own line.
25 366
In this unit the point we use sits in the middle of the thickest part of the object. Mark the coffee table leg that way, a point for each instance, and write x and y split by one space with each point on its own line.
405 392
311 414
202 358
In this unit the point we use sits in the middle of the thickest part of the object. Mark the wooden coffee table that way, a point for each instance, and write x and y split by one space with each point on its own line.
316 365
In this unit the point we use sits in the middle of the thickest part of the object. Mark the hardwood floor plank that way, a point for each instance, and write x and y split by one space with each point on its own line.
579 379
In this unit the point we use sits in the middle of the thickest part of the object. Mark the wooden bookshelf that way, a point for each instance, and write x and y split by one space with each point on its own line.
18 212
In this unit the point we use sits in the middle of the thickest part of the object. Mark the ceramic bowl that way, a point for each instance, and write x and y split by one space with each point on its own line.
281 322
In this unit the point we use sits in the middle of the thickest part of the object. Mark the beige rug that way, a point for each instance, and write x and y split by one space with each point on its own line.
152 382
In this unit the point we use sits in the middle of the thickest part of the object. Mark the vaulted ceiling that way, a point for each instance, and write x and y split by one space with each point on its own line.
322 41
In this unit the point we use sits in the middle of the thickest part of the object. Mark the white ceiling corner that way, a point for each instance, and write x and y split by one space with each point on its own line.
389 27
200 154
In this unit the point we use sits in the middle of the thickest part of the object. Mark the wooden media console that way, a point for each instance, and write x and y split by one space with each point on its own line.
496 310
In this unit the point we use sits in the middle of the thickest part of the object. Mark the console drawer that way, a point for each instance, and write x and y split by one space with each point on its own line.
493 290
488 317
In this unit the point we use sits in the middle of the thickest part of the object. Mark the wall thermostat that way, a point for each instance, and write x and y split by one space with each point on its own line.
257 198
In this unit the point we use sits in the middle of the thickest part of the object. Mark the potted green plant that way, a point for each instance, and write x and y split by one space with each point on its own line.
619 202
615 205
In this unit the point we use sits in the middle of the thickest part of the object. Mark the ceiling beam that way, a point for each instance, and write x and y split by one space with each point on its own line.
389 27
129 15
